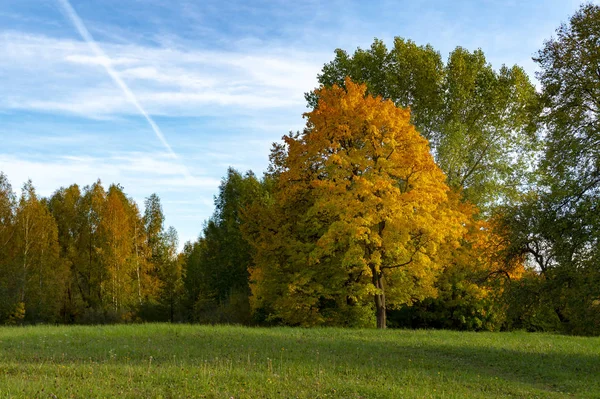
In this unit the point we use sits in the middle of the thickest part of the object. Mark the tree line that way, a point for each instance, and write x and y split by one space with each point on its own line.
85 256
421 193
353 223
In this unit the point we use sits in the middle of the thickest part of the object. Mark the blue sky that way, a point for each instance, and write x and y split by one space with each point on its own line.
222 80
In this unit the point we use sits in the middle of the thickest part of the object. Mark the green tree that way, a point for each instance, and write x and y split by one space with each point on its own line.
147 284
163 267
570 79
193 277
154 221
217 264
557 225
171 274
103 242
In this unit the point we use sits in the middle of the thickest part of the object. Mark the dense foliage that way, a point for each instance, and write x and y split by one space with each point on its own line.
421 193
85 256
359 212
216 281
557 224
479 122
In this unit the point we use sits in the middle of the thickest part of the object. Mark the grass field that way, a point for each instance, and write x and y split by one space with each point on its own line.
164 361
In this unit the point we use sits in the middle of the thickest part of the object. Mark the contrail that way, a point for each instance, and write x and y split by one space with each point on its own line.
106 63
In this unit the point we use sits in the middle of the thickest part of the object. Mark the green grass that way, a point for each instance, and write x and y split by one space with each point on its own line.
160 360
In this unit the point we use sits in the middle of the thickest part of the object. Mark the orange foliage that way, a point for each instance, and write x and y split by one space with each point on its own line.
360 211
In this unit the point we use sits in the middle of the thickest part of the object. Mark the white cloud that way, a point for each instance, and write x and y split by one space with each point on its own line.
98 60
141 172
246 75
61 75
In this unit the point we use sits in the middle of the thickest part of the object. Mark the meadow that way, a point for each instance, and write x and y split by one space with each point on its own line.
165 361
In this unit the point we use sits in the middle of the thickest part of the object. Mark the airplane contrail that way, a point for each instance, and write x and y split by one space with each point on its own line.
106 63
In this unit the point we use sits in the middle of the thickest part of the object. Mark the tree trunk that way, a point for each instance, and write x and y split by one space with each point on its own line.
25 260
137 264
380 300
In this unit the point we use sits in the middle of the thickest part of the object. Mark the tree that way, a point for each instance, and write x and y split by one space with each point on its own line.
474 281
117 229
479 122
64 205
217 264
165 270
7 206
156 255
359 212
171 273
154 220
90 268
83 256
147 285
39 276
570 78
104 244
7 229
557 224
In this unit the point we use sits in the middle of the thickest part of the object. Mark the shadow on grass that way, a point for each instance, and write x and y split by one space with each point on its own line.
528 359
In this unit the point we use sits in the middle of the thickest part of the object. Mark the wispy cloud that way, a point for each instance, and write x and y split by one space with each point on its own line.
108 66
222 80
60 75
139 171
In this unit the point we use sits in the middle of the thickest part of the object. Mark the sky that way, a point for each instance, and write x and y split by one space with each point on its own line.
162 96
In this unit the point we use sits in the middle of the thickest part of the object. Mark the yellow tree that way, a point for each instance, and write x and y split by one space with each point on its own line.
147 285
117 228
64 207
39 275
359 201
89 267
8 205
103 242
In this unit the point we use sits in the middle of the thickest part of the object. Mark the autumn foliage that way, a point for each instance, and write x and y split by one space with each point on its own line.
353 220
359 215
84 256
359 220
